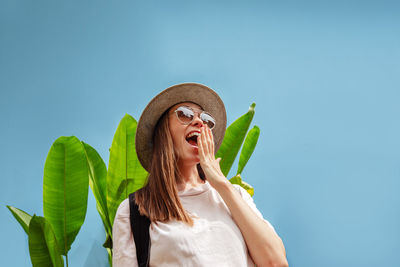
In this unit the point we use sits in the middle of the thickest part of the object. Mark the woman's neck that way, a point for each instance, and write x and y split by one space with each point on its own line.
189 177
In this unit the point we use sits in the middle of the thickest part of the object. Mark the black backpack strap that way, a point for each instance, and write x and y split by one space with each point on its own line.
140 228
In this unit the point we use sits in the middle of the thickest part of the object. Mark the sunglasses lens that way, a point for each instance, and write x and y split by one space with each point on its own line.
185 115
207 119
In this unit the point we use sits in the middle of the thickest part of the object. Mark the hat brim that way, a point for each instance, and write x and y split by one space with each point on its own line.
199 94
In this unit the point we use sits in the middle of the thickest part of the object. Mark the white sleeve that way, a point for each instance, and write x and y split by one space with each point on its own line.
124 250
250 202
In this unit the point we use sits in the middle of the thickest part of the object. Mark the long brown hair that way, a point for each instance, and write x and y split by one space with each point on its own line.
158 199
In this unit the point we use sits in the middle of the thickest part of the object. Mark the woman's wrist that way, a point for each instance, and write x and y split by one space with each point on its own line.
223 185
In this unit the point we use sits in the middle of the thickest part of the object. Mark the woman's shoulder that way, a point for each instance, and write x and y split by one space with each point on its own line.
123 209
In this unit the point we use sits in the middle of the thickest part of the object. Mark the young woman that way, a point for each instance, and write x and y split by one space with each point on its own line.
198 218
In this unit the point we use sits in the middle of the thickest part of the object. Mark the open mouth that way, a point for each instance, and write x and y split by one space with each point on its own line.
191 138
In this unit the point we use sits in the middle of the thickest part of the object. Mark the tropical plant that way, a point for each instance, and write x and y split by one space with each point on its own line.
125 175
65 193
236 135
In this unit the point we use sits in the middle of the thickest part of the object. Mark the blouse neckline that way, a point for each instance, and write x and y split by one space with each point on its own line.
195 190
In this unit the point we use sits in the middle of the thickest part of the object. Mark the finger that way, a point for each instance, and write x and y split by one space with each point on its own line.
212 141
200 148
209 140
205 136
204 140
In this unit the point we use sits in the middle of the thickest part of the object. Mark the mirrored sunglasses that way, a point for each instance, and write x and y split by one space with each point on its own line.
186 115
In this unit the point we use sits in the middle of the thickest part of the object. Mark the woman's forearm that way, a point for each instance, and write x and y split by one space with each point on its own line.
265 246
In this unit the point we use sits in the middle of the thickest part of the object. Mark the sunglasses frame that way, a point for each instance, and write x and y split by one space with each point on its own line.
194 114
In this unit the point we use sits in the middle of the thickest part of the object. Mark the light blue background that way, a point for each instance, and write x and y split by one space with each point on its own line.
325 76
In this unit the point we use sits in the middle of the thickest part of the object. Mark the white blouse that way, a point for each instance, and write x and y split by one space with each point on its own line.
213 240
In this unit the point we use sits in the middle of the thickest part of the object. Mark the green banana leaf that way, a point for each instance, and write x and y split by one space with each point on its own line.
109 251
237 179
43 247
248 147
65 189
125 173
233 140
22 217
98 184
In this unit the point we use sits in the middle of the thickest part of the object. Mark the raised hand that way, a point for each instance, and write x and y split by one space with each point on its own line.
208 163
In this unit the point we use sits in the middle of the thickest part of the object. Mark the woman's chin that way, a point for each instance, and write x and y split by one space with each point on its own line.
193 157
190 153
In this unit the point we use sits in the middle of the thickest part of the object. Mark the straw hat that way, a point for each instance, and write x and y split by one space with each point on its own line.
199 94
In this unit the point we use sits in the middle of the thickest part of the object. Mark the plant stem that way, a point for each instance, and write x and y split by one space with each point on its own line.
66 259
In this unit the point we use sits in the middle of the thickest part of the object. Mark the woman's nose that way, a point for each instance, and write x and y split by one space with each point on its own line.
197 121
